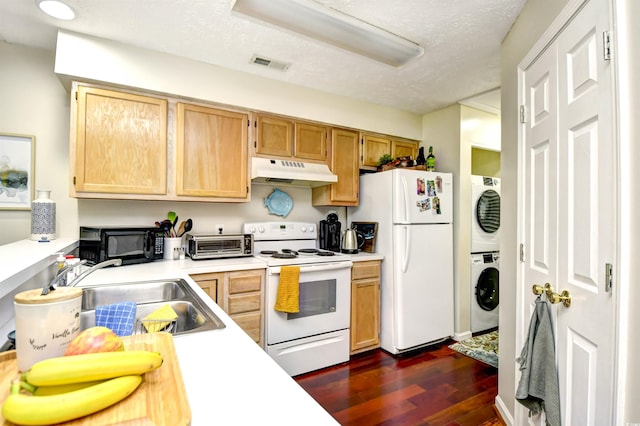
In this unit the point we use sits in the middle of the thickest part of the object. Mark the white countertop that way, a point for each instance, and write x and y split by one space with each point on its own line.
229 379
23 259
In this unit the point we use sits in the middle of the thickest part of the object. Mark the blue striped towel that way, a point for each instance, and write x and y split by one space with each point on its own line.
119 317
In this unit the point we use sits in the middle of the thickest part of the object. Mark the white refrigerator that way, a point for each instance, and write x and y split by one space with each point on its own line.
414 211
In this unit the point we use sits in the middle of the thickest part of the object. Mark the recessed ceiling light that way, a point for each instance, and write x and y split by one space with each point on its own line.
56 9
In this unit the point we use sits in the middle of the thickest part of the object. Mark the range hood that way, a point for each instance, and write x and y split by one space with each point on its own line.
290 172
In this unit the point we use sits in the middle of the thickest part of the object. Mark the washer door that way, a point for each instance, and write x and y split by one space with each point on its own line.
488 211
487 289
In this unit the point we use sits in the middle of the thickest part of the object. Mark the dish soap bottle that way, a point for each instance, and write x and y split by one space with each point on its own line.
431 161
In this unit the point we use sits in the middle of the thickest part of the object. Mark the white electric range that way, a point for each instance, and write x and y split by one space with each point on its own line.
318 335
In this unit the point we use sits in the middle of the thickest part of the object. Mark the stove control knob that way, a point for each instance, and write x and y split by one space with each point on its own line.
252 229
311 229
303 229
261 229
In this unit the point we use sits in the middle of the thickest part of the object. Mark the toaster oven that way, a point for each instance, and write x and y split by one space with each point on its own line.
217 246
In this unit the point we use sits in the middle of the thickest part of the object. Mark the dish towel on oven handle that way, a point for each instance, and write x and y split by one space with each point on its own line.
538 389
288 298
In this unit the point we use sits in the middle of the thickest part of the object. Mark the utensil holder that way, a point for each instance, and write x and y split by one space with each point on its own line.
172 247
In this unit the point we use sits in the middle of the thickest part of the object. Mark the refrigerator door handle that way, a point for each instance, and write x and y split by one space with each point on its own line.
405 195
405 259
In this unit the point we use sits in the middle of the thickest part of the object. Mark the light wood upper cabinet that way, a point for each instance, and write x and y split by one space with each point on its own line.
404 149
375 146
310 142
343 161
274 136
365 306
287 138
211 152
120 143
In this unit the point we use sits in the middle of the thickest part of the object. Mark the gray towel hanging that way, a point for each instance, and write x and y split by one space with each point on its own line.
538 389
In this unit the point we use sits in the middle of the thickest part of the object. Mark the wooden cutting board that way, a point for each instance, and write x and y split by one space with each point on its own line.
161 399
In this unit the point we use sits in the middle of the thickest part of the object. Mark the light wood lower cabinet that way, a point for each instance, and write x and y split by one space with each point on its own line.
211 283
241 295
365 306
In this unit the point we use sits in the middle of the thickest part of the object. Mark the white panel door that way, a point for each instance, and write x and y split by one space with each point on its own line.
586 219
569 208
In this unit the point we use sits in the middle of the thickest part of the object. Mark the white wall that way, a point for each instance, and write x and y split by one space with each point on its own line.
34 102
452 131
627 41
441 129
480 128
534 19
91 58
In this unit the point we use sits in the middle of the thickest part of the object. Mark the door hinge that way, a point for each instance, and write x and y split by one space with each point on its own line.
74 181
255 144
521 252
606 45
76 96
608 277
523 112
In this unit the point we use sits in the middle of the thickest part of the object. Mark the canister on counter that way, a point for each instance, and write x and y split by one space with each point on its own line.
45 324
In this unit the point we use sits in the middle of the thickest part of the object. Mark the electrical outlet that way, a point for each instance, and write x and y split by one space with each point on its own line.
220 228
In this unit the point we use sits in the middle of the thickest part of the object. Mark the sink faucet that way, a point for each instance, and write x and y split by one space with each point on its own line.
60 278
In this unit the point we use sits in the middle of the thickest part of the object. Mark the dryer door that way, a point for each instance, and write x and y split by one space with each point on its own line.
488 211
487 294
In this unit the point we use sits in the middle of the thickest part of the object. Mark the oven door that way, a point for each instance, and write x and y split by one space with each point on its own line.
325 302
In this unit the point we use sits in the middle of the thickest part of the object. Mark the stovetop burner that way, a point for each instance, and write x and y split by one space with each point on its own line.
284 255
325 253
309 250
268 252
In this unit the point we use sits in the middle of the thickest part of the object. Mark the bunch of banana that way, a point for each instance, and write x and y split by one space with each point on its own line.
66 388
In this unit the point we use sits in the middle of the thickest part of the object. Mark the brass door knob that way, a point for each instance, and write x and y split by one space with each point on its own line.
553 297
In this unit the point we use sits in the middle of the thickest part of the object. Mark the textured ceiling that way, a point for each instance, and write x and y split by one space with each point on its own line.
461 39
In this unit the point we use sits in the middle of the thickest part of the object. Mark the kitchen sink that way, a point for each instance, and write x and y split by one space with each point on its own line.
193 314
141 292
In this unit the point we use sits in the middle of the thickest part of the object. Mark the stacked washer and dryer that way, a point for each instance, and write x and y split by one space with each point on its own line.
485 252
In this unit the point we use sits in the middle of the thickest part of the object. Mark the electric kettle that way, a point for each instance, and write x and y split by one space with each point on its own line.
352 240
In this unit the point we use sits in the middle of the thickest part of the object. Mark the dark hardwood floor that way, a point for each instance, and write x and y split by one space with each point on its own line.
433 386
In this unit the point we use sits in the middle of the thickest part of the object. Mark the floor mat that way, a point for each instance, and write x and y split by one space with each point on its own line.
483 348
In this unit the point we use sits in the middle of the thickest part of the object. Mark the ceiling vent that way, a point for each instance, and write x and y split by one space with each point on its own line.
269 63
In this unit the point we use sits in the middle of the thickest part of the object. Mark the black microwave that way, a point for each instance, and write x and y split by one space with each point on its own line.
131 244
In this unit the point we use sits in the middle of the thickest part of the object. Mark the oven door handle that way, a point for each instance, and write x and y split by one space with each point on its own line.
275 270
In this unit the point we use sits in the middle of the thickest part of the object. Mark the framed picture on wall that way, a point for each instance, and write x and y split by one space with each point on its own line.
17 155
